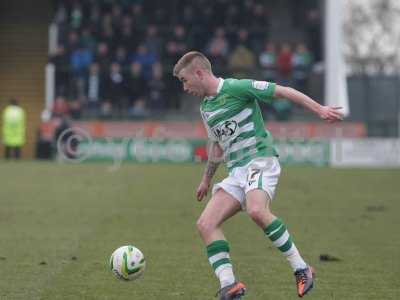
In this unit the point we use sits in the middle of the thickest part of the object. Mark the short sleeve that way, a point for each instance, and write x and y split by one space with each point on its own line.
253 89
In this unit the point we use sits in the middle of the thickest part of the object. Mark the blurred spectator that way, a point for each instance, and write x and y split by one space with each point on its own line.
128 38
121 56
87 39
116 15
242 60
177 45
64 144
107 36
103 57
137 88
157 87
114 91
217 49
268 62
138 16
72 42
284 63
243 38
153 41
314 32
81 59
146 59
13 129
76 15
94 82
61 62
136 84
60 107
75 108
302 60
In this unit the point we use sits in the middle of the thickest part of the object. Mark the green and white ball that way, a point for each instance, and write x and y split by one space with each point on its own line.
127 263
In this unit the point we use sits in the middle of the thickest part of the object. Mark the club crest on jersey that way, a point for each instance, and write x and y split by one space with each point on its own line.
225 130
259 85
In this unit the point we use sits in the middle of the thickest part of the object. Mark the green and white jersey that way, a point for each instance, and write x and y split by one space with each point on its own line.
234 120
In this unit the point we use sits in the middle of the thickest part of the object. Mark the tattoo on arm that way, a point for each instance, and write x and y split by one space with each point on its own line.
211 168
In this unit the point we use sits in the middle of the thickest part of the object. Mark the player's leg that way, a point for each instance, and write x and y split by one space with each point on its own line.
258 208
221 206
260 190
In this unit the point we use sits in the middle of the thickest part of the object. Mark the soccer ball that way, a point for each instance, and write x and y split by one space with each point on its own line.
127 263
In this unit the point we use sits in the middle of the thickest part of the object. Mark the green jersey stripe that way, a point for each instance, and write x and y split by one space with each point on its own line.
223 116
245 121
242 144
236 115
244 134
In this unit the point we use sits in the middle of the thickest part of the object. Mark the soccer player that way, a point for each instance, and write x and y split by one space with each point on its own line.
235 127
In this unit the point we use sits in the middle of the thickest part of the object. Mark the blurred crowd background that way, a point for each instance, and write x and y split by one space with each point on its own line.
113 58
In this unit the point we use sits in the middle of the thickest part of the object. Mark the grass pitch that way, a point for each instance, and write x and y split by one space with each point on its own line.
60 223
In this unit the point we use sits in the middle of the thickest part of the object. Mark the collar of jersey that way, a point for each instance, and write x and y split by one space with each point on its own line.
220 84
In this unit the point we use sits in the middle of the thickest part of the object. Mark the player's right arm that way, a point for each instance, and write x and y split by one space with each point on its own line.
214 154
327 113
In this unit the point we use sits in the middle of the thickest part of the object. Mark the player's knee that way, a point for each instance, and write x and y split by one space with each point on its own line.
204 226
257 215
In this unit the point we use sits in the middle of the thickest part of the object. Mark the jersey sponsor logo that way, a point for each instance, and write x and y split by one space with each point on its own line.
225 130
260 85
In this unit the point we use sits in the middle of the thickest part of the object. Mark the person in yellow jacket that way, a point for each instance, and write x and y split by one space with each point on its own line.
13 129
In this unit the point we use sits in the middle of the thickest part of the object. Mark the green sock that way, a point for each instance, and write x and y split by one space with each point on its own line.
280 237
219 259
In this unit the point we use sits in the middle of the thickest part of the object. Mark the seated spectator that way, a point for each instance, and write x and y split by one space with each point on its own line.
114 91
116 15
121 56
72 42
302 61
241 61
146 59
268 62
136 84
87 39
156 90
60 107
93 89
81 58
76 15
103 57
284 64
138 15
153 41
75 108
61 62
138 110
218 48
128 38
177 45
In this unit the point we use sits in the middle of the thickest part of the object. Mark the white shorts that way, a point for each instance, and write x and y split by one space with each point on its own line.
260 173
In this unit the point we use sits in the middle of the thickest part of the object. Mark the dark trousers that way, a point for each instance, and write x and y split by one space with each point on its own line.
12 152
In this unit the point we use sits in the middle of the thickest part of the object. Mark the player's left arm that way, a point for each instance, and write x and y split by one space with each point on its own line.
328 113
215 153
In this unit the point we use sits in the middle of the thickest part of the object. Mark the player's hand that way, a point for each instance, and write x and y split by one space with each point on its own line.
331 114
202 190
